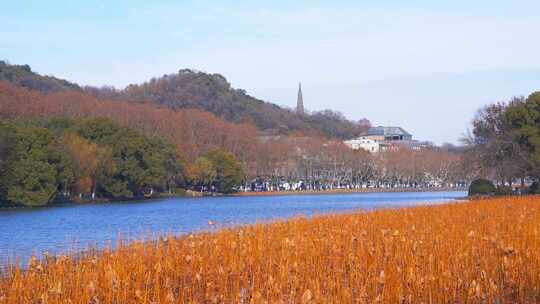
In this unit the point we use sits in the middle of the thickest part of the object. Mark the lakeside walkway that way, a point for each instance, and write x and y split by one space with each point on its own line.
345 191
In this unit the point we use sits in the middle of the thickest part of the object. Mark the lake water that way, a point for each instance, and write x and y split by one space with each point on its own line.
24 232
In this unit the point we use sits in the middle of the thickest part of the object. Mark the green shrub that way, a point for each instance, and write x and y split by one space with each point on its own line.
534 188
503 190
481 187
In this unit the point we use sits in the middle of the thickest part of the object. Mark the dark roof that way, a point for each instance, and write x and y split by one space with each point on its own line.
387 131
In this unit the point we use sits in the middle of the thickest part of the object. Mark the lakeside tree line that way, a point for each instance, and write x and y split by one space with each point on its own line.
46 160
504 145
310 157
326 164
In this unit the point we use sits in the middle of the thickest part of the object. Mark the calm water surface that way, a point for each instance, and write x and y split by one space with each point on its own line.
24 232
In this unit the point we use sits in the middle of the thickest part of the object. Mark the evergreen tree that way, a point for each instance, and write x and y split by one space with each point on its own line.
32 178
523 121
228 170
7 140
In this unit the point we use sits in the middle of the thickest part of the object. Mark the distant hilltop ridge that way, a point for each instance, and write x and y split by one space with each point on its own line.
23 76
208 92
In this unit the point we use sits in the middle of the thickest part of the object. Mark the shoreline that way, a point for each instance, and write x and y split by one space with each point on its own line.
194 194
347 191
99 201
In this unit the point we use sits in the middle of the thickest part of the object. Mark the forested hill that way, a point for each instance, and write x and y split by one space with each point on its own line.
213 93
198 90
208 92
23 76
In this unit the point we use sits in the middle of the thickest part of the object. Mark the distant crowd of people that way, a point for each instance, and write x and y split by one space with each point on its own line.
301 185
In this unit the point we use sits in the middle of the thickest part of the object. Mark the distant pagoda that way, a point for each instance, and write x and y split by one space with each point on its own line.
300 101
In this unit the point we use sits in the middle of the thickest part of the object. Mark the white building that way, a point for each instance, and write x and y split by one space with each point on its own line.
381 133
386 139
365 143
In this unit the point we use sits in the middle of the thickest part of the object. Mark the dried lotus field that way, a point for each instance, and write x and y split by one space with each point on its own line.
485 251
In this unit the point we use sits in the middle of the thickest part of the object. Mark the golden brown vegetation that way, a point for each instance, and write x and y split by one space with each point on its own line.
484 251
194 132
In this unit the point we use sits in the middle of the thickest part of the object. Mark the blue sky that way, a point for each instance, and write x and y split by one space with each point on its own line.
422 65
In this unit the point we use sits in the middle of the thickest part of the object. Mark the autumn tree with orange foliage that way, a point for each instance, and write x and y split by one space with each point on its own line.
90 162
